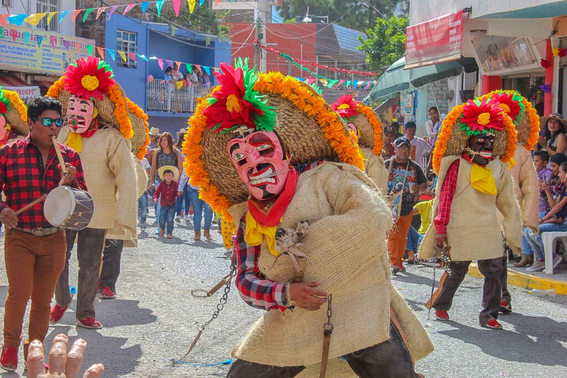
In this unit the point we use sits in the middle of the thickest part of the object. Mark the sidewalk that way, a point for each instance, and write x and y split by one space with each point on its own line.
541 281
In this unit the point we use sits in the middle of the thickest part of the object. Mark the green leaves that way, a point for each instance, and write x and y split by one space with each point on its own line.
386 42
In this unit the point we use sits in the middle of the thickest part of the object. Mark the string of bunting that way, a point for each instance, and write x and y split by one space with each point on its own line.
313 64
125 55
35 18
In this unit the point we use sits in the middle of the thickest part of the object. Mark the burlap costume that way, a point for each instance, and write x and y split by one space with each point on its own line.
340 202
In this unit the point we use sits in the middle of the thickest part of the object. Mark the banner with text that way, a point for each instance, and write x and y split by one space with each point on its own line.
35 50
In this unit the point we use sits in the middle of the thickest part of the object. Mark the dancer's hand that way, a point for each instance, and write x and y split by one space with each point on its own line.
9 217
440 239
62 364
306 296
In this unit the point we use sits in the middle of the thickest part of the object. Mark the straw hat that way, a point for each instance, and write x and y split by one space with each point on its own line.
476 117
521 112
171 168
557 116
307 127
154 131
140 138
15 111
363 117
91 78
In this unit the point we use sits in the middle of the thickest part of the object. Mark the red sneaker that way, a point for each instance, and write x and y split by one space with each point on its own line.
107 293
57 313
505 307
401 267
9 359
492 324
89 322
442 315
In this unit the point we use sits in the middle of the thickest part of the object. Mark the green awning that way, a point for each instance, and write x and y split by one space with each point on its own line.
424 75
394 80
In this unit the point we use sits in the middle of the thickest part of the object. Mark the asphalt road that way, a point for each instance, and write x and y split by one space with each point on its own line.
155 317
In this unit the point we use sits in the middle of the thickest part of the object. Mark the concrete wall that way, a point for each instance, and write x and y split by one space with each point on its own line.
421 10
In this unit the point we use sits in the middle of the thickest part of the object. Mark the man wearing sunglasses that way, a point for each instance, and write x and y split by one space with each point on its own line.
34 250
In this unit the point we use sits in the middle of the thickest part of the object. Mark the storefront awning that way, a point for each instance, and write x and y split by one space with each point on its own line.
435 41
24 90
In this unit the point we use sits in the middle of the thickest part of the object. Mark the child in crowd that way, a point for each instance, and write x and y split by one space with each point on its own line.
554 220
541 159
422 208
168 191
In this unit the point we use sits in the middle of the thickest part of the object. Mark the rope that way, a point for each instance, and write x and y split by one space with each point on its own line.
225 362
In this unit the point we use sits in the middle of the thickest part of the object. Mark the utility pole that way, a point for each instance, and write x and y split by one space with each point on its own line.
261 26
257 40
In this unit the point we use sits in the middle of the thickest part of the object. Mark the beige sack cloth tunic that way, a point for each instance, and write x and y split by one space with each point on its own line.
473 231
346 249
376 169
111 179
526 187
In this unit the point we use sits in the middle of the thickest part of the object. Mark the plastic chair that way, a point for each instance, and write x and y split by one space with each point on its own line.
549 239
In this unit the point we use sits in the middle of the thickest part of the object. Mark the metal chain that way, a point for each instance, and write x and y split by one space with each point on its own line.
329 326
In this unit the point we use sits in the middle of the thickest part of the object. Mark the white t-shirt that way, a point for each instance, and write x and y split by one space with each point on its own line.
418 147
145 164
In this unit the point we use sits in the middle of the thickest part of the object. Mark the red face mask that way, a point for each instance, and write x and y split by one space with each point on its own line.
80 113
260 162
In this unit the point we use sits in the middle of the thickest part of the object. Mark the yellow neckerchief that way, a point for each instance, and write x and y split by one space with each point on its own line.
482 179
75 141
255 234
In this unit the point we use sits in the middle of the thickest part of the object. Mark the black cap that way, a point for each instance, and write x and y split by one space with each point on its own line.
401 141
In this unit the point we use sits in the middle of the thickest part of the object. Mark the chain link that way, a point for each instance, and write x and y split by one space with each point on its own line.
223 300
329 326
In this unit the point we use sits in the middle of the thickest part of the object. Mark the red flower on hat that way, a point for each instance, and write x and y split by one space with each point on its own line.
345 107
89 78
507 104
482 116
3 108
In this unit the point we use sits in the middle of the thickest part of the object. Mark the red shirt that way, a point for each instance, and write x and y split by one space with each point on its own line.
168 193
24 178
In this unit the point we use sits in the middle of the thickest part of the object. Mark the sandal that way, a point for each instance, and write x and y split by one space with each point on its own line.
492 324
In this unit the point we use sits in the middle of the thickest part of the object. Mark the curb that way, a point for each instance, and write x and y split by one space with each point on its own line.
527 281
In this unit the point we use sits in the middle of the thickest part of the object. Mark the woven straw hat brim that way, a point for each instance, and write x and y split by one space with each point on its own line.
524 129
105 107
301 138
14 118
366 130
140 130
543 121
458 142
172 168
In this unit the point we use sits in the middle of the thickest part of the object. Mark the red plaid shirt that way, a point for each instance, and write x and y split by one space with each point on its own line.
446 198
24 178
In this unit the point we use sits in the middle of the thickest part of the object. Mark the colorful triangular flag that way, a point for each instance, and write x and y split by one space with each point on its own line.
191 4
34 19
89 11
62 15
17 19
122 55
201 2
160 63
111 54
39 40
169 63
50 16
132 56
198 67
75 14
128 8
90 50
206 68
4 19
142 56
159 5
77 47
99 12
109 14
26 37
100 51
144 6
189 69
176 6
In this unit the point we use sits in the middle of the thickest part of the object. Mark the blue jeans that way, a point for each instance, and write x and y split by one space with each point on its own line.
179 204
166 216
143 207
158 205
526 247
535 241
414 238
198 206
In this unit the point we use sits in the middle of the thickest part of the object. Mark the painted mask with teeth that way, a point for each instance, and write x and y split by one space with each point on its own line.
260 161
482 146
80 113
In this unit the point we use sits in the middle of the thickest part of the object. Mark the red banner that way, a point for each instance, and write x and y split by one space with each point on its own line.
435 41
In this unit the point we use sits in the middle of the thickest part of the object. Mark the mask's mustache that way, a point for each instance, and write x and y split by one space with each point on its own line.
474 153
75 121
285 169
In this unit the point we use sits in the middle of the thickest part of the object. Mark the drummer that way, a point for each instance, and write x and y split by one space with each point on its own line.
34 251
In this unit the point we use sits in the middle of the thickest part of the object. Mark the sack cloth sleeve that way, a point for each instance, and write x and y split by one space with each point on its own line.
508 206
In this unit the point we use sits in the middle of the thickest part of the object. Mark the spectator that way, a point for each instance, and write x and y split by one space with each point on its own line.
432 125
420 149
200 206
194 78
143 200
405 181
544 175
184 196
553 139
206 80
554 220
166 194
176 75
396 127
167 76
422 208
389 137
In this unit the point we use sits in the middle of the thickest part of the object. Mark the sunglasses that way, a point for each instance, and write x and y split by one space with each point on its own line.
47 122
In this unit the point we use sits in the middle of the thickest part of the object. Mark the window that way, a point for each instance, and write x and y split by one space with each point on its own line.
47 6
128 42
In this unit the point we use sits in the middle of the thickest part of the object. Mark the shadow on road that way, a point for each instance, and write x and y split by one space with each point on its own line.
536 333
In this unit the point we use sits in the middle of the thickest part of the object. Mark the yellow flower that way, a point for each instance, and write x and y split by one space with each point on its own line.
232 104
483 119
90 82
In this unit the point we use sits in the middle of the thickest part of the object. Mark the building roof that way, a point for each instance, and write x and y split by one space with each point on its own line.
180 32
339 42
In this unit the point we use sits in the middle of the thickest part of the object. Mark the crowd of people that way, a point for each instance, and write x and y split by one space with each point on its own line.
324 184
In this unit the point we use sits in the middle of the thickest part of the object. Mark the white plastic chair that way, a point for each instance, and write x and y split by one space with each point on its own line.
549 239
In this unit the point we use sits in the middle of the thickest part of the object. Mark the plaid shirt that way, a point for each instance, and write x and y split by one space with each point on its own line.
446 198
24 177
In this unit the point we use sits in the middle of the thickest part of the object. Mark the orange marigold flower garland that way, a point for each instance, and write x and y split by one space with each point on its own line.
140 113
56 88
120 112
17 103
376 126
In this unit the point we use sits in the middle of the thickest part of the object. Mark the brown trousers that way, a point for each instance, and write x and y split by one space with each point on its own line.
397 239
33 264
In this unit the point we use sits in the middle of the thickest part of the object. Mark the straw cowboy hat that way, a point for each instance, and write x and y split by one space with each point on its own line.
154 131
521 112
557 116
171 168
15 111
475 117
309 131
363 117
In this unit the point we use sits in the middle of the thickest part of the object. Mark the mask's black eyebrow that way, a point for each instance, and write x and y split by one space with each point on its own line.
234 147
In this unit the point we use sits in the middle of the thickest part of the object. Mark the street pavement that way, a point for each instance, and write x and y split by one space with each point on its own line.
155 317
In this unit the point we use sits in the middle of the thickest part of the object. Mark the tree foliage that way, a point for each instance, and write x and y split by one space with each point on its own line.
203 19
361 17
386 42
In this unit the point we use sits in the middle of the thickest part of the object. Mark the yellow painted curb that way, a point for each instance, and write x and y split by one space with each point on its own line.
527 281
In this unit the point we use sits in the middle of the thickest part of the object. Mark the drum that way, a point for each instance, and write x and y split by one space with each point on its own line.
69 208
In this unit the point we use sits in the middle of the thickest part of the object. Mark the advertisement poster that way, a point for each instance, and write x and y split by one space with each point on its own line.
39 51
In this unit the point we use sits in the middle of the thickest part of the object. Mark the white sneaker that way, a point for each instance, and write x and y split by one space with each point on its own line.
187 218
536 266
177 219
